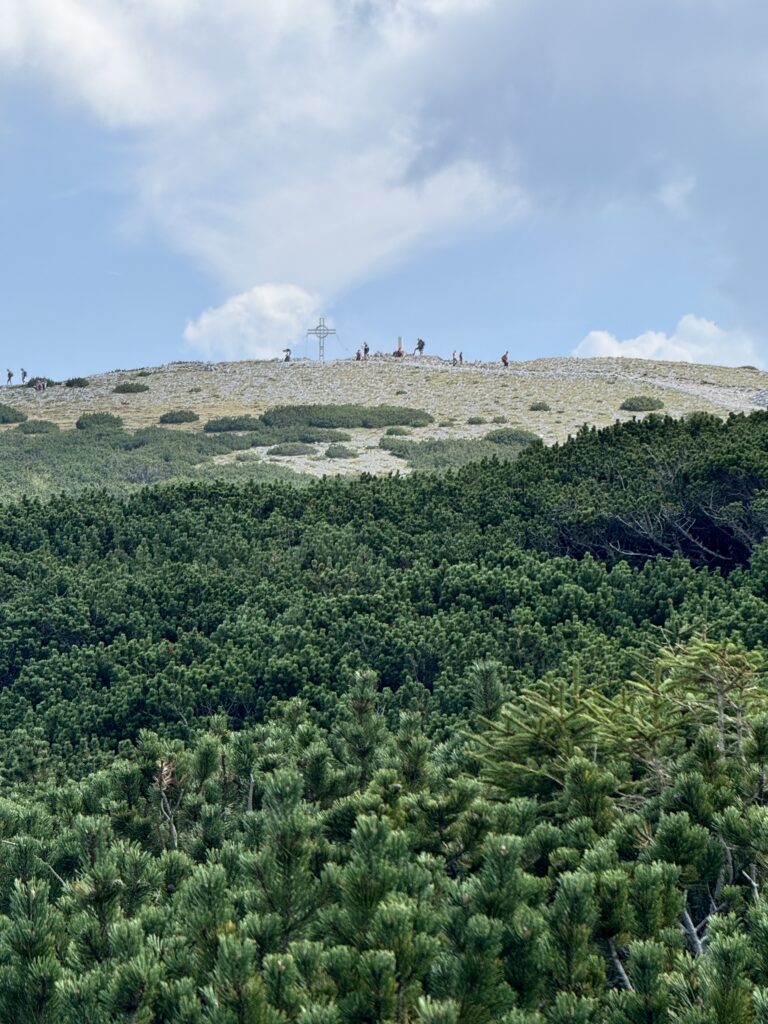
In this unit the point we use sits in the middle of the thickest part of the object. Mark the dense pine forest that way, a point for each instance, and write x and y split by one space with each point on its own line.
445 749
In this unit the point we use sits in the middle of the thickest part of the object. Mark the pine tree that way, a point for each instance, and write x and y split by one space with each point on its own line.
285 870
573 916
525 752
29 964
486 689
469 976
717 683
236 993
725 980
647 999
204 905
501 890
360 729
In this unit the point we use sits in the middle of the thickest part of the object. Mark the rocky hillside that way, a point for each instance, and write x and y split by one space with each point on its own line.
568 392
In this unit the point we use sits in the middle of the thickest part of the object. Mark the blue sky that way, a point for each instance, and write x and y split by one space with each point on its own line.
181 180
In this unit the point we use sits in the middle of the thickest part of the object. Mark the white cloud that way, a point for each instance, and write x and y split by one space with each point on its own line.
319 141
695 340
257 324
272 139
107 56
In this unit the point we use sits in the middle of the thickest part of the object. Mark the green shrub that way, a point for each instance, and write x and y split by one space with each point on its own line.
511 436
397 445
129 387
292 448
37 380
143 373
539 407
475 421
340 451
179 416
397 432
312 436
38 427
228 423
499 419
348 416
77 382
441 454
10 415
194 391
98 421
641 403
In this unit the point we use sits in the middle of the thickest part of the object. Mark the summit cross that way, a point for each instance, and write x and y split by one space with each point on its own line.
321 332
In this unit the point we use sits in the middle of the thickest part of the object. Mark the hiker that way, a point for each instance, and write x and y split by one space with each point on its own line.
10 376
358 356
366 350
23 375
454 360
419 346
287 355
461 358
505 358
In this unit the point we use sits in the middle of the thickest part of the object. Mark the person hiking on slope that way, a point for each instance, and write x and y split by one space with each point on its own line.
454 360
419 346
23 375
505 359
366 350
9 378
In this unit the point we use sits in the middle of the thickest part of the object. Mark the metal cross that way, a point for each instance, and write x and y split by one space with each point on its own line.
321 332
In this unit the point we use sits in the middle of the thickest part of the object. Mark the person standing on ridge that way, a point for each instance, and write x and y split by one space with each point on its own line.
9 378
366 350
454 360
358 356
505 358
23 375
419 346
461 358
